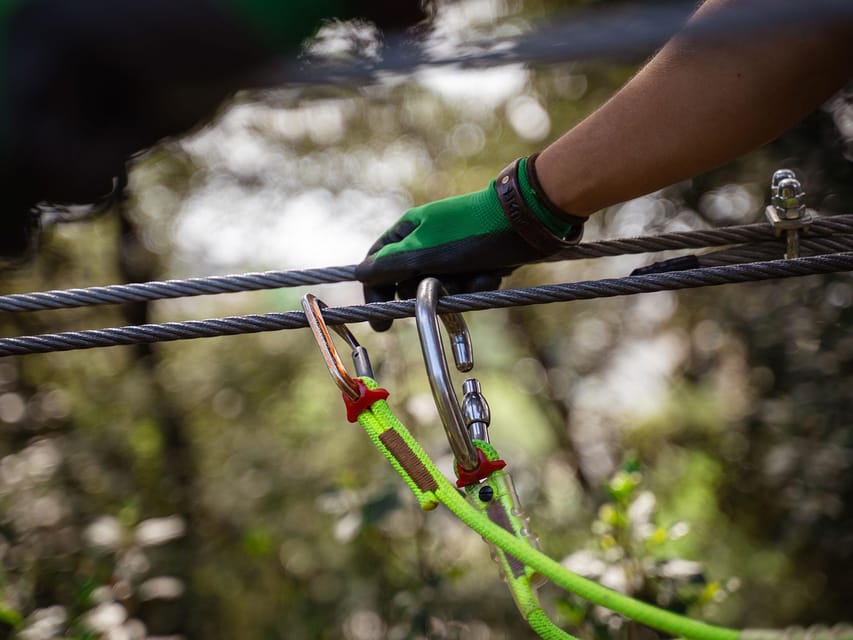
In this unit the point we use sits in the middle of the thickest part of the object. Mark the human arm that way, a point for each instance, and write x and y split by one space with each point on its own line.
700 102
705 98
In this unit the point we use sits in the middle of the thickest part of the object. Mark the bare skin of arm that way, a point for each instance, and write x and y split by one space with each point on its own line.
697 104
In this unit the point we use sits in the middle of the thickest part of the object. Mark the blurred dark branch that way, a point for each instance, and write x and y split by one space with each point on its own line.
625 32
177 490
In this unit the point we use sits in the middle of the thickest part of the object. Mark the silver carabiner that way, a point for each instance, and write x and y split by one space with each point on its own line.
436 365
312 306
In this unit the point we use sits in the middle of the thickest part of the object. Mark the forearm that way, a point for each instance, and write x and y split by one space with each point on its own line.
697 104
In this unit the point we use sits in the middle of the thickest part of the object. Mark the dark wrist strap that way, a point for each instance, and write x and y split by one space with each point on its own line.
524 221
552 208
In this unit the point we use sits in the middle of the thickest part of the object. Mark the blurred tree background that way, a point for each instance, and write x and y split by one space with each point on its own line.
692 448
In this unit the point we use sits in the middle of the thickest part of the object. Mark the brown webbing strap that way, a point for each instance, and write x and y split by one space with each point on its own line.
408 460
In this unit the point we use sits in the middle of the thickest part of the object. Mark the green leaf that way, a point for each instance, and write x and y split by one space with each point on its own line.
10 617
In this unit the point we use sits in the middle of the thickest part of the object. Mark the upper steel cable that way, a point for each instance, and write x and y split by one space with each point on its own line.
700 277
160 290
168 289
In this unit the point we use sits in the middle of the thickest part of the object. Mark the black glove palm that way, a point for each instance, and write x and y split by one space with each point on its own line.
469 242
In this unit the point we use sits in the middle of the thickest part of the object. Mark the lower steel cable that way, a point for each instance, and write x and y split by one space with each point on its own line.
588 290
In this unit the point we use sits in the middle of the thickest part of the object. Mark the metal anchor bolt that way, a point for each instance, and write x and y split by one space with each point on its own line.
787 210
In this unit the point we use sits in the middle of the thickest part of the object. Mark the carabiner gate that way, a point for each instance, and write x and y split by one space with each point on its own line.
312 307
439 376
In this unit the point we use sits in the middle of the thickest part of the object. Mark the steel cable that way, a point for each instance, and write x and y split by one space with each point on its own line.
166 289
768 250
169 289
775 250
184 330
623 32
701 238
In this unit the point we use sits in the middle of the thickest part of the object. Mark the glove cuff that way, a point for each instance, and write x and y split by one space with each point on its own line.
547 203
524 220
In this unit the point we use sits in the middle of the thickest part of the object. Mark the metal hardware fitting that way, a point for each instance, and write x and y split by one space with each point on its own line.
476 410
787 210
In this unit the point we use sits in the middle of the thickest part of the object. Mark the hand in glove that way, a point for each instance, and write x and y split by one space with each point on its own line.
469 242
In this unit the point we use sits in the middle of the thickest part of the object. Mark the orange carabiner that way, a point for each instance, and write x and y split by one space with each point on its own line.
312 306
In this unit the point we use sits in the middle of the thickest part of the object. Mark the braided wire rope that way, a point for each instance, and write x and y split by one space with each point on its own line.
587 290
623 32
762 251
169 289
824 235
701 238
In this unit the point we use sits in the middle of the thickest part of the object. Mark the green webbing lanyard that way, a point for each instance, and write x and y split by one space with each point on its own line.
431 487
490 508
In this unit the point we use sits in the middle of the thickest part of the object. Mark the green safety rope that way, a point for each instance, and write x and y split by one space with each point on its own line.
520 561
489 506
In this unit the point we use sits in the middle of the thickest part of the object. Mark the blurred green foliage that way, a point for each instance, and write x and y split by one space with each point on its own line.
680 447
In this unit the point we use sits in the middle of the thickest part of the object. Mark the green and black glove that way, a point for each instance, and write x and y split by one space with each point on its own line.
471 241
